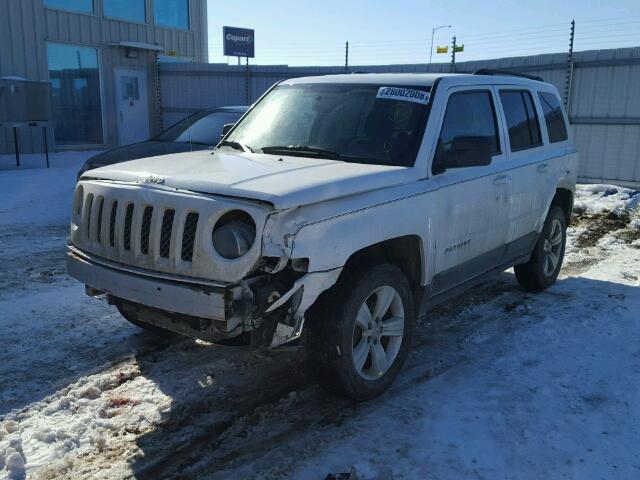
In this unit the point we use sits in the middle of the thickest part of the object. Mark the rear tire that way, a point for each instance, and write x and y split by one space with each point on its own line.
360 333
542 269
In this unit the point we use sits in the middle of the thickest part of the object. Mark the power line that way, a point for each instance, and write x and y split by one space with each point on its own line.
550 38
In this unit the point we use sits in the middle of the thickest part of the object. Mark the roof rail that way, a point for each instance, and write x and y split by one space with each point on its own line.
506 73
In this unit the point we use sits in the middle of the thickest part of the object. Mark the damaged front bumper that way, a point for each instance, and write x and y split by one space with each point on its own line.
206 310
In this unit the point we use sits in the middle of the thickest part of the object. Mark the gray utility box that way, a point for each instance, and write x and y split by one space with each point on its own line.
24 101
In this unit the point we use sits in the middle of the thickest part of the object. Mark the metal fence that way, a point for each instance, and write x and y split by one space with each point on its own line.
601 89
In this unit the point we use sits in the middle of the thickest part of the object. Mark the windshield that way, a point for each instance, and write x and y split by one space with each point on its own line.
202 128
374 124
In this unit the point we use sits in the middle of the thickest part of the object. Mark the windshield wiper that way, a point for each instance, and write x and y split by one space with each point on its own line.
233 144
300 150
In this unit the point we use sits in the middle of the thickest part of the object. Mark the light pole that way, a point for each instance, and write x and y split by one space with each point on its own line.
433 31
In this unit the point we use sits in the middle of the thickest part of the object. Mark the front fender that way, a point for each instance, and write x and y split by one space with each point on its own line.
327 234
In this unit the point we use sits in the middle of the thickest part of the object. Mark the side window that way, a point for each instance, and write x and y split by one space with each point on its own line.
556 126
522 121
469 120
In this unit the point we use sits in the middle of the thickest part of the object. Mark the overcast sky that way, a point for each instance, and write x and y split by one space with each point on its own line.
297 32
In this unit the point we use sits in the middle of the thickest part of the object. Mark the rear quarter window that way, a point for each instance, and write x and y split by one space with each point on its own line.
556 126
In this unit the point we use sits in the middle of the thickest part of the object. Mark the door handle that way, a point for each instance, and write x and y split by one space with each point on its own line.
543 168
501 180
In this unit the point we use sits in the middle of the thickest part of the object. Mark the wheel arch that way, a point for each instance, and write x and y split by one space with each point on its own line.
407 252
563 198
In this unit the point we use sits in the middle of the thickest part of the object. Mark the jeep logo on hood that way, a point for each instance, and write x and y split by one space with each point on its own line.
157 179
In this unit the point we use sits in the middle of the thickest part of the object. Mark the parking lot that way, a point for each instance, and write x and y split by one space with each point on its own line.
498 382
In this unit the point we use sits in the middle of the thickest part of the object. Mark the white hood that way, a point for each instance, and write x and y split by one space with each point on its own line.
284 181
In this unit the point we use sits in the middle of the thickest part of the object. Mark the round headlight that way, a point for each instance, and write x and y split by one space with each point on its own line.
234 234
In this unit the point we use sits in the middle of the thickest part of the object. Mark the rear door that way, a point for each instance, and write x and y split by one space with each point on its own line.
471 223
528 168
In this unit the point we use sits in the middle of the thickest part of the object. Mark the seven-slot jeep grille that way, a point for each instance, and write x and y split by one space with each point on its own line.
130 228
160 230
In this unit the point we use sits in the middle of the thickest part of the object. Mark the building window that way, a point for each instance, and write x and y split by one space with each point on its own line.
75 88
522 120
130 89
82 6
131 10
171 13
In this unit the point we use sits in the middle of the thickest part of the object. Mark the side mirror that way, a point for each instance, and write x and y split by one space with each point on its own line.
463 152
225 129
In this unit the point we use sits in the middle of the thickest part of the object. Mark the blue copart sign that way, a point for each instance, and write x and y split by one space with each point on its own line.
238 42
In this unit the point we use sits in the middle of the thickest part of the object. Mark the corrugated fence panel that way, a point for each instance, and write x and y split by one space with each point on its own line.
605 111
604 105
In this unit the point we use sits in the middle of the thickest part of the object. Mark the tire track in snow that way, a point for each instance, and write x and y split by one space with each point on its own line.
442 342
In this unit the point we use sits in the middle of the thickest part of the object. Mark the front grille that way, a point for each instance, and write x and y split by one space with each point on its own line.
189 236
100 208
146 228
88 206
128 219
112 224
131 222
152 230
165 233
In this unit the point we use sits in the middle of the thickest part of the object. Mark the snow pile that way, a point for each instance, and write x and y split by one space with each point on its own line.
596 198
11 454
94 413
605 217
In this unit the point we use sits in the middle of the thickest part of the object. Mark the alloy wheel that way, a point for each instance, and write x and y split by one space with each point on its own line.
378 332
553 247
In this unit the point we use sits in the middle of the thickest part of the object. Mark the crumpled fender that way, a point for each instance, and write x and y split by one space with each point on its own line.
303 294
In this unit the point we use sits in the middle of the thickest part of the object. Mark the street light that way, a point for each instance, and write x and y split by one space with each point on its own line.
433 31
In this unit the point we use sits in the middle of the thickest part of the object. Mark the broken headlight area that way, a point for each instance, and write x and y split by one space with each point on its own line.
276 264
269 288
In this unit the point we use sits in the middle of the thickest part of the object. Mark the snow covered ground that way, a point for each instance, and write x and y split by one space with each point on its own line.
500 383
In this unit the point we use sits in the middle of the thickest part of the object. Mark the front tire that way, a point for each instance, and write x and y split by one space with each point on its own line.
542 269
360 335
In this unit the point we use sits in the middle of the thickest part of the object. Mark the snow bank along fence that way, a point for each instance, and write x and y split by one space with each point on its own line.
601 89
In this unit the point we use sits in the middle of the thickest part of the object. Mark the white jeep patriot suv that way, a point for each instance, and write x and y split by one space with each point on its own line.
343 204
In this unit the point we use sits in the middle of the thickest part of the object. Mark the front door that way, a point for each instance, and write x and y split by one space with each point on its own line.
132 106
471 235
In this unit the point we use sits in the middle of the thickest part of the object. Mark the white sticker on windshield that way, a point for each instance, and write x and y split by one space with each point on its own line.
406 94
